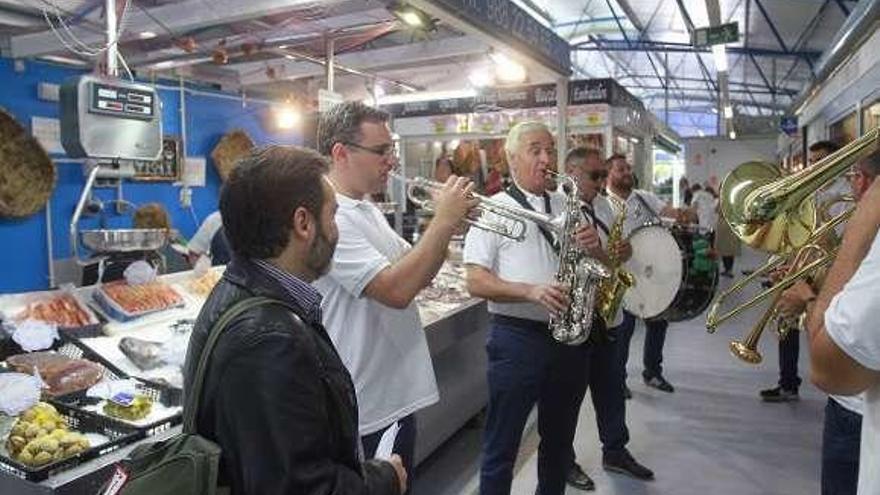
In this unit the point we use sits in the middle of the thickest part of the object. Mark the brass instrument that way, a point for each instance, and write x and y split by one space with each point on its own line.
777 214
713 319
581 274
613 288
513 226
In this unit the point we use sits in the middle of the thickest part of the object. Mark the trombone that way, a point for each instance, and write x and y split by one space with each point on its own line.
421 191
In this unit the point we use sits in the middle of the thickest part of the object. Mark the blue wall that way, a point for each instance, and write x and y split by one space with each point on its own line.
23 254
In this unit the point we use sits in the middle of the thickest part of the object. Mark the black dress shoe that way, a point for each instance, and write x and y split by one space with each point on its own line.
658 382
577 478
625 464
779 394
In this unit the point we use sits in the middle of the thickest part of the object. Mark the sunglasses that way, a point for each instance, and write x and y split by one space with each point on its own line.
597 174
385 150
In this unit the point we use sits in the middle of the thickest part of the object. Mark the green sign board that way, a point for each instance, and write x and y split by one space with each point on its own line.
716 35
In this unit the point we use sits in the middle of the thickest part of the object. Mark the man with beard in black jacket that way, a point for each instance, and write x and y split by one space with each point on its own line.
277 398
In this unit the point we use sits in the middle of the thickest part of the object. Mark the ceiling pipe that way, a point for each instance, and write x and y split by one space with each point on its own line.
860 24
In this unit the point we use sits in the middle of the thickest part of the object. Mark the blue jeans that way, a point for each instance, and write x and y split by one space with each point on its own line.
655 337
789 351
841 442
526 366
404 445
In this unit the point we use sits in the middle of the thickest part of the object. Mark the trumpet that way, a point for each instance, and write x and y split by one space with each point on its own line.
512 219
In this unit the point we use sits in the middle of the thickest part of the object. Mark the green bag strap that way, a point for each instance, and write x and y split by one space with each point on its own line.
193 397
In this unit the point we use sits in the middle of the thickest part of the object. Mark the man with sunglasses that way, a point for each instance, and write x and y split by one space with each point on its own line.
606 379
368 294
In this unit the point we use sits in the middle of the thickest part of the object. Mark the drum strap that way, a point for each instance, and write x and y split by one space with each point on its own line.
520 197
647 207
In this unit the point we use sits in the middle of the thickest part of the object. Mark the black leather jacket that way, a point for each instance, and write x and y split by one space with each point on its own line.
277 398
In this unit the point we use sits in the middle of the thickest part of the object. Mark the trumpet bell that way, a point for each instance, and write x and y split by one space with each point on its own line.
745 353
788 230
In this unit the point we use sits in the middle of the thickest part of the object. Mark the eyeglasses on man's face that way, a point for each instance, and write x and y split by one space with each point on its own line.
384 150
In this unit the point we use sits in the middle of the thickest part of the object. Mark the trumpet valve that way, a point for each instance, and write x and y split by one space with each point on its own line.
745 353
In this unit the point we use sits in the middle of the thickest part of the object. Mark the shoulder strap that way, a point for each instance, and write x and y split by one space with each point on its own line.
647 206
194 396
520 198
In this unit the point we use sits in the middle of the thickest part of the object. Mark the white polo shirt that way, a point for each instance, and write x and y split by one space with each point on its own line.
637 213
384 349
201 240
531 261
851 322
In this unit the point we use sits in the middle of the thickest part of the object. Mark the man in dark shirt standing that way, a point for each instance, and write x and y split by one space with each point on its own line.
277 398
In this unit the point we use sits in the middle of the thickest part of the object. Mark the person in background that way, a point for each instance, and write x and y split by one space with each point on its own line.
606 379
376 275
786 389
843 414
842 330
443 168
210 240
154 216
684 188
526 365
276 398
727 245
641 207
704 204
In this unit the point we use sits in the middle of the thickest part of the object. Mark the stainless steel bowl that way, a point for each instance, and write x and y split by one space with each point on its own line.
124 240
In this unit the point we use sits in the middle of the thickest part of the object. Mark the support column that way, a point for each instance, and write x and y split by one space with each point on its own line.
329 70
561 122
112 48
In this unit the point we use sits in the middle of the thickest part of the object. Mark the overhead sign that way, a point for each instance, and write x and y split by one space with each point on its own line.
507 22
789 125
716 35
581 92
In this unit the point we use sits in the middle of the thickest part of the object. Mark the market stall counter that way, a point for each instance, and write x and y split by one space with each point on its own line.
139 334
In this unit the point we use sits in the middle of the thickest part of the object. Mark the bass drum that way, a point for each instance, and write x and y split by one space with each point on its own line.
700 275
658 266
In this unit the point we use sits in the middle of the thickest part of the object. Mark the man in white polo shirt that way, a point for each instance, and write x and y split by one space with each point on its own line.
525 364
842 327
368 294
641 207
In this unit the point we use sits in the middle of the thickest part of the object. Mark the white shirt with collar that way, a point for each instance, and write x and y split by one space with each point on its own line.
851 322
706 205
384 348
531 261
639 212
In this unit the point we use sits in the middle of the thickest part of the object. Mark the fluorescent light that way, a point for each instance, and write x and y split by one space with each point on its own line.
728 112
480 77
506 69
147 35
425 96
287 117
732 134
411 18
701 133
720 56
713 110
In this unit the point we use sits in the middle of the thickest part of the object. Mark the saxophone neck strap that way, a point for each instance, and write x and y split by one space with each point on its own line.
520 197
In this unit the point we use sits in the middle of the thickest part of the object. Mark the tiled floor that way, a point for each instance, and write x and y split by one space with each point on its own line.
712 436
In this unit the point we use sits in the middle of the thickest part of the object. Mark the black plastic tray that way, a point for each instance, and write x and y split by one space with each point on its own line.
120 434
158 392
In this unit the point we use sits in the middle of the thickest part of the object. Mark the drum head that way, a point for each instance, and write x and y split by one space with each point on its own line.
656 264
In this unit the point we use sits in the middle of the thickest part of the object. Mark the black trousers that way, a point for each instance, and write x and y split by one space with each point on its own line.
655 338
789 352
527 367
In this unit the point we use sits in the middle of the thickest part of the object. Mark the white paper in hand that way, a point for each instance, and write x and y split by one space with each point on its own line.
386 443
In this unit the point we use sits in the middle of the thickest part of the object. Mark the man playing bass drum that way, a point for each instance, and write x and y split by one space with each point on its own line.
642 207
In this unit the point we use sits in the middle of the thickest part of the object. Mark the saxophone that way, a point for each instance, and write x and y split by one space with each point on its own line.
581 274
614 287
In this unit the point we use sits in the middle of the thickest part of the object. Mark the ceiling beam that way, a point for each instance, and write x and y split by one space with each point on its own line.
180 17
304 31
656 46
746 103
374 60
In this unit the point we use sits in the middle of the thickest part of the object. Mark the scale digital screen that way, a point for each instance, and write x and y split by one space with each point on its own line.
122 101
